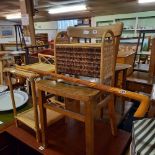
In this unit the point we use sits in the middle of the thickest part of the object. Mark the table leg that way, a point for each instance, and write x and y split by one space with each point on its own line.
89 128
1 72
33 90
43 118
12 98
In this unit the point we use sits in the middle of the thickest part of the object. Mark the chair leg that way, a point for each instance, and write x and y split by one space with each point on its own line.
111 110
17 123
38 136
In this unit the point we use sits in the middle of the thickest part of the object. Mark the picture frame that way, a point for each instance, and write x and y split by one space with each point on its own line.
6 31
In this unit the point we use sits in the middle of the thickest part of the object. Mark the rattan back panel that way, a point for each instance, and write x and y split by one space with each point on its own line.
78 61
91 60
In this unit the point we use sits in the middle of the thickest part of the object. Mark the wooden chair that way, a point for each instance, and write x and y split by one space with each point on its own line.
33 51
49 59
5 61
30 117
103 64
145 47
88 60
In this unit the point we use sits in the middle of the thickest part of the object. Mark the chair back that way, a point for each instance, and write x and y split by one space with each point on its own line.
43 58
96 60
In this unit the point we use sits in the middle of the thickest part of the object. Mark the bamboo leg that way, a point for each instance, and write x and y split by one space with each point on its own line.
1 71
89 128
111 110
43 118
12 98
35 109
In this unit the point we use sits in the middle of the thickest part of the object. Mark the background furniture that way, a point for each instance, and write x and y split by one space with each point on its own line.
32 52
8 46
8 59
126 57
140 81
143 80
44 58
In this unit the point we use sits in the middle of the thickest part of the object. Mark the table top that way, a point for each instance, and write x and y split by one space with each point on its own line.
143 53
120 66
141 67
141 77
14 53
40 67
123 54
22 73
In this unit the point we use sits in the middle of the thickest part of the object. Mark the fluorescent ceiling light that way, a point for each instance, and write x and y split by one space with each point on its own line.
145 1
64 9
13 16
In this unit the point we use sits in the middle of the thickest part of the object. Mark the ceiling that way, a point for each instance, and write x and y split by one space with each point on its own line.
94 8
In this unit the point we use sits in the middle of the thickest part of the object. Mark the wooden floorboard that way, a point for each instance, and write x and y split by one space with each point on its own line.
66 137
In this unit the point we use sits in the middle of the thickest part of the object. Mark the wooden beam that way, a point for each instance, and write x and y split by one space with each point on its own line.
27 8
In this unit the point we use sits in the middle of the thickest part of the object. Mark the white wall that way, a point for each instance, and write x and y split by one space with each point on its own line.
9 39
129 15
47 27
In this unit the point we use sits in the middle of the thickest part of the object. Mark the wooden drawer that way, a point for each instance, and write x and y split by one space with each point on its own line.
134 86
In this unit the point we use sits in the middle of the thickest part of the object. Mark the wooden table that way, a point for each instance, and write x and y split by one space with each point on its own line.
148 53
126 57
141 67
143 53
140 81
4 57
33 112
121 68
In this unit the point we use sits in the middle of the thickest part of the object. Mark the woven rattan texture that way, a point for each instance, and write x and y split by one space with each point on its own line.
85 61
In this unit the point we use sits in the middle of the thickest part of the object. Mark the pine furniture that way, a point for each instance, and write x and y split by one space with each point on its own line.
88 60
30 117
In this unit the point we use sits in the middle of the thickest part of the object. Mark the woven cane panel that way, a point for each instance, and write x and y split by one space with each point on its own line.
78 61
108 61
84 61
